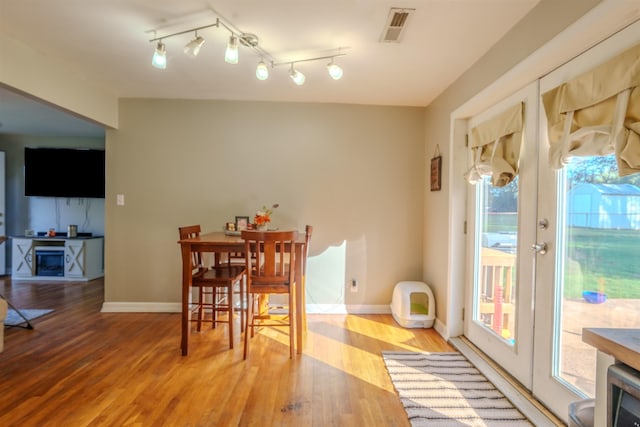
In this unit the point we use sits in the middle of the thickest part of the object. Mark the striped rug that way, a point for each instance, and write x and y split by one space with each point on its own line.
446 390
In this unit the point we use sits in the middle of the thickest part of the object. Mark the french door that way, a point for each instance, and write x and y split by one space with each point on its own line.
588 276
559 256
500 298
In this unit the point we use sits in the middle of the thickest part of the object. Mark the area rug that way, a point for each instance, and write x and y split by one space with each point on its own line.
14 319
446 390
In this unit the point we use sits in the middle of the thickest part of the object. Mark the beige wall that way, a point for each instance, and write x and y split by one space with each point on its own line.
56 82
355 173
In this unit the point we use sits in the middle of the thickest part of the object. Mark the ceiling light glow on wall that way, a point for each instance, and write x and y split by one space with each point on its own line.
297 77
231 54
262 72
159 59
334 70
193 47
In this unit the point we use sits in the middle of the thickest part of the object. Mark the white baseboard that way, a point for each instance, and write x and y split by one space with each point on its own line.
441 328
348 309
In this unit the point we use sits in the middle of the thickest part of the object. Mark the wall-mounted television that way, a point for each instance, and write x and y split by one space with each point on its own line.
64 172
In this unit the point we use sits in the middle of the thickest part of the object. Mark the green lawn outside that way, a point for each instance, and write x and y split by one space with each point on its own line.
598 259
501 222
608 261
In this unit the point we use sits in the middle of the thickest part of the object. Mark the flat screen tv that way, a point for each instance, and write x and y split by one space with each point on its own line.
64 172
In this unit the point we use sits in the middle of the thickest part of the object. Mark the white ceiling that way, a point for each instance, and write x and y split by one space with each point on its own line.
107 41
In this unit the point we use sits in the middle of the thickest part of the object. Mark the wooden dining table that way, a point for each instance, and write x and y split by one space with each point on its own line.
220 242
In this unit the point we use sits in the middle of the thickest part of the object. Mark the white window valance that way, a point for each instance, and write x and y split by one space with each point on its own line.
495 147
597 113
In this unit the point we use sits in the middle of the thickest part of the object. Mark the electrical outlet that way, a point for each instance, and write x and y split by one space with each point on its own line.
354 285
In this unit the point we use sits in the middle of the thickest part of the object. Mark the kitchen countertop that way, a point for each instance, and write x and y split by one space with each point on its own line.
621 344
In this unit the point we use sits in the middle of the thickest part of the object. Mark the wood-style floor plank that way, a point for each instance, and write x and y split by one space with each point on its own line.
81 367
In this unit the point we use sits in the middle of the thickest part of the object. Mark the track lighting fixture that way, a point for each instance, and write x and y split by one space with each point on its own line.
159 59
262 72
193 47
231 54
334 70
297 77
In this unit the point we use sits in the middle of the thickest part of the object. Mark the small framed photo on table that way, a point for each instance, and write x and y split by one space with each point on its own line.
242 222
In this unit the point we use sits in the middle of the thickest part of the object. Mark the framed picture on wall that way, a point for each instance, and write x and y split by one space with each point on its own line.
436 173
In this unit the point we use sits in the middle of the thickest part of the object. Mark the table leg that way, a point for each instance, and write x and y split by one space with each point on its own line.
304 301
186 286
299 295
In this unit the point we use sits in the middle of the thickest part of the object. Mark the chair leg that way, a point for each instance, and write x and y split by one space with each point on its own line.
252 309
243 305
249 325
230 312
215 301
292 322
200 308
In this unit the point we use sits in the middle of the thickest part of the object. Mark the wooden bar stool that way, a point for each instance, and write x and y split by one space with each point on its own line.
273 274
216 284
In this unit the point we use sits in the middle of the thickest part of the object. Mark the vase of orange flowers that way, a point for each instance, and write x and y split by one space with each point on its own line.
263 217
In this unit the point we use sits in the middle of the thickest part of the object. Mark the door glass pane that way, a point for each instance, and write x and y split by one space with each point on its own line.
495 272
598 253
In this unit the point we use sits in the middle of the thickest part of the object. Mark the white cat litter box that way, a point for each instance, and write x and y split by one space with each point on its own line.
413 305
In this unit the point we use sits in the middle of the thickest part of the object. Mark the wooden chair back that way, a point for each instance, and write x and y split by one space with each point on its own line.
192 232
274 252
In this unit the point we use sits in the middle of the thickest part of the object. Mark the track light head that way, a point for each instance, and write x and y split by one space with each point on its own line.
159 59
193 47
335 71
297 77
248 40
262 72
231 54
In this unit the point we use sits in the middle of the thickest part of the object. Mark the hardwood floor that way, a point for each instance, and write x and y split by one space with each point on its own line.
80 367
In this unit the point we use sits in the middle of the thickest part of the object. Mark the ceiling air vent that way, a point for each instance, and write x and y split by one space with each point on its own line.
395 25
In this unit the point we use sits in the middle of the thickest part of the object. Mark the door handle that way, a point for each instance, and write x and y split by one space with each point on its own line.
540 248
